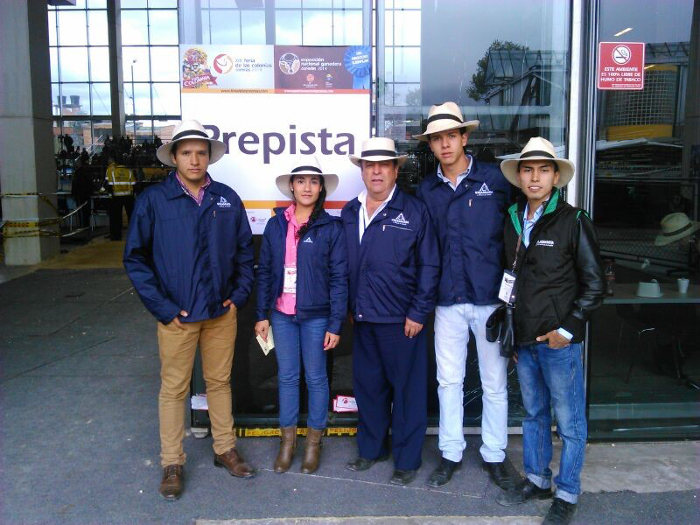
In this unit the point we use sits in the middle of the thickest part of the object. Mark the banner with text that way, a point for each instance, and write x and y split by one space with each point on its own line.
275 105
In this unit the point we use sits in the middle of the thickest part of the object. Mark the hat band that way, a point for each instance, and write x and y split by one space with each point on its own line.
189 132
681 230
307 168
378 153
537 153
443 116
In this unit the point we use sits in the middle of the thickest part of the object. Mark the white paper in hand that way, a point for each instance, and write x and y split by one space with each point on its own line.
266 345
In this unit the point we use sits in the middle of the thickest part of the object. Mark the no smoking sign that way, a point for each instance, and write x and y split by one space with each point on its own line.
621 65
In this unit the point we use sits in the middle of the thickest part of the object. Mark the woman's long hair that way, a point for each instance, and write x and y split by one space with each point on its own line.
318 207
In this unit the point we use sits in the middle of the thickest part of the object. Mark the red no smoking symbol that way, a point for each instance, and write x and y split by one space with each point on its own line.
621 55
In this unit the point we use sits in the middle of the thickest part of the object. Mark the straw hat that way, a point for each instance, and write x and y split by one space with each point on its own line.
191 129
378 149
538 148
444 117
310 166
675 226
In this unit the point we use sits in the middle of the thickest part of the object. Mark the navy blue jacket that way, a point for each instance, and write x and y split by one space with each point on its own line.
469 224
394 272
180 256
322 270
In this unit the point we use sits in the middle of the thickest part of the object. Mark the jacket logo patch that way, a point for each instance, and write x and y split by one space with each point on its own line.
400 219
223 203
308 239
548 244
484 191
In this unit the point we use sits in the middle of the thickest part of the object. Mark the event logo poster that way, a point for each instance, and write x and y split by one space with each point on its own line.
227 68
322 69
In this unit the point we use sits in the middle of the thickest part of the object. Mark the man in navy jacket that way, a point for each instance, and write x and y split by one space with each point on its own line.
189 255
393 263
467 201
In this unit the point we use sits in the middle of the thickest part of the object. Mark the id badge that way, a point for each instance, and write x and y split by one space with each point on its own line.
290 280
507 284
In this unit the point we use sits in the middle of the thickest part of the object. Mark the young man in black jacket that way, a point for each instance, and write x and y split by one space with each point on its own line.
552 249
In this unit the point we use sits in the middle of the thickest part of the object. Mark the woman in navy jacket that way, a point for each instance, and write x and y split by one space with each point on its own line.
302 291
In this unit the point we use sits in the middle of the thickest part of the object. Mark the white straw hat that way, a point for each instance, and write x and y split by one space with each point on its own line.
538 148
190 129
378 149
307 166
675 226
444 117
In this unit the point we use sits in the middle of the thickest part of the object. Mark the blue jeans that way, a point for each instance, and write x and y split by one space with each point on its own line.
553 376
298 341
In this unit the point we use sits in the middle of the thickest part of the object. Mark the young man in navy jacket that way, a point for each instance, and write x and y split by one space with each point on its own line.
189 255
467 201
393 264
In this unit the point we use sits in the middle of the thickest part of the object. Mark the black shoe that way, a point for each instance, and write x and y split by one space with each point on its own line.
443 473
525 491
560 513
359 464
402 477
500 474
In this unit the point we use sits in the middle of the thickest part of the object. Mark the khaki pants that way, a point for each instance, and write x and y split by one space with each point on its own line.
216 338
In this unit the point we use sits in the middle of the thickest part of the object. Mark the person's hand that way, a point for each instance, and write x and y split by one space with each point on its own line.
554 339
330 341
411 328
176 320
262 328
228 303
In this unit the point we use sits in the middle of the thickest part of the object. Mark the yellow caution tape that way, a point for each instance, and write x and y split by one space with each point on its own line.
275 432
42 196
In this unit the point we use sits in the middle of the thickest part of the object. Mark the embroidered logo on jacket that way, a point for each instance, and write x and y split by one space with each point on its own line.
308 239
484 191
223 203
548 244
400 219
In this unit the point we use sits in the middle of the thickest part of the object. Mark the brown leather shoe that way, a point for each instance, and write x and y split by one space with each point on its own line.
312 452
234 463
288 442
173 482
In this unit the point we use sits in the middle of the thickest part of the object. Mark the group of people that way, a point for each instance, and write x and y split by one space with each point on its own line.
388 262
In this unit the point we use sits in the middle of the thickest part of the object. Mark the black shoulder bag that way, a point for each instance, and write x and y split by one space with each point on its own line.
500 326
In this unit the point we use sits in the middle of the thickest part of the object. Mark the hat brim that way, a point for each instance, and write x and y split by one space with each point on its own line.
357 161
566 169
330 181
663 240
218 150
445 125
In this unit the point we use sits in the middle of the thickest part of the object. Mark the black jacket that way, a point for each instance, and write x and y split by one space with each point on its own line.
560 278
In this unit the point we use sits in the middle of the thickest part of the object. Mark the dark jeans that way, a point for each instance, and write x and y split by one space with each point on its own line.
115 214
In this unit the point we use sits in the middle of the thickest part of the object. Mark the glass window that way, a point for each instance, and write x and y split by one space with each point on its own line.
101 99
55 99
166 99
52 29
73 64
75 99
138 58
97 28
288 27
53 57
407 64
643 357
287 3
134 27
165 63
99 64
163 27
72 28
130 4
406 24
225 26
97 4
253 25
162 4
347 28
318 28
347 4
141 103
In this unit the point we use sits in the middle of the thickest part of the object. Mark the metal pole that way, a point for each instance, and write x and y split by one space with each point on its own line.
133 98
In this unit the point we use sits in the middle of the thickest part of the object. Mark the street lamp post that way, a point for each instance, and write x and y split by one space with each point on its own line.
133 98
